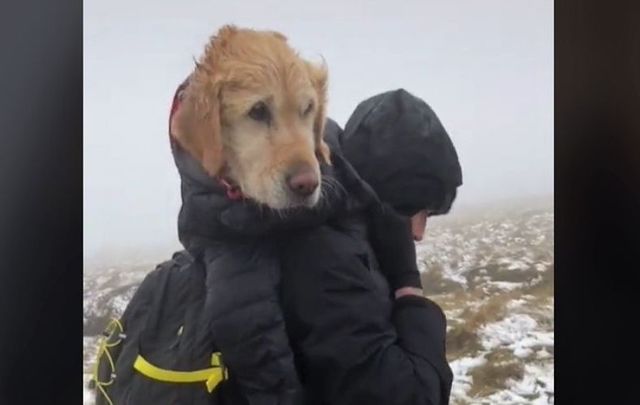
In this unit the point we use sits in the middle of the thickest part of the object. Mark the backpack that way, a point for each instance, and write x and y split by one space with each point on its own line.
156 353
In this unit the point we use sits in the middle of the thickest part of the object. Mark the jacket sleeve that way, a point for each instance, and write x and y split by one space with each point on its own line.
354 344
421 328
246 322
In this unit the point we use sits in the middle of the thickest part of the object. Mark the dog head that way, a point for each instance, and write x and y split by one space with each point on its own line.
253 113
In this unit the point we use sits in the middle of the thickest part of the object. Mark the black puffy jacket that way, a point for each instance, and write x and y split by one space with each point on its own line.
353 343
221 295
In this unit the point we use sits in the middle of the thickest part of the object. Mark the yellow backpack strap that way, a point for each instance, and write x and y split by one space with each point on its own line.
112 336
210 376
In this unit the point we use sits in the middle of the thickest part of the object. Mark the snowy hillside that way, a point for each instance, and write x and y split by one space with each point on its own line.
492 272
493 276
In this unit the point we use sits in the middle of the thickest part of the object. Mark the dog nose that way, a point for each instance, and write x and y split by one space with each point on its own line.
302 180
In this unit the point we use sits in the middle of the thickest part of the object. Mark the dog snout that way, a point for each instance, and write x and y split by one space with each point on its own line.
302 180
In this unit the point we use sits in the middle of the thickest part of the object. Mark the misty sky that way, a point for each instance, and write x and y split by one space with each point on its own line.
485 67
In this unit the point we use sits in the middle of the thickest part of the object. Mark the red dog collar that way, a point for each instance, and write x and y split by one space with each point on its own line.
233 192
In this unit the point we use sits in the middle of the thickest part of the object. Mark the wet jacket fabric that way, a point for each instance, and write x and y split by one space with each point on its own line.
353 342
398 145
222 298
296 306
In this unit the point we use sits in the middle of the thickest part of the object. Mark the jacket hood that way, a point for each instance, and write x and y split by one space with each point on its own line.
208 215
398 145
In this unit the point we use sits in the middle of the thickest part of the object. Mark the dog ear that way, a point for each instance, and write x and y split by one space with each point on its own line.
197 122
196 127
319 79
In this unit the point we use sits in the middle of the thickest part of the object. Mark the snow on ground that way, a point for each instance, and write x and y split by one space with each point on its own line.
491 272
493 276
460 369
518 332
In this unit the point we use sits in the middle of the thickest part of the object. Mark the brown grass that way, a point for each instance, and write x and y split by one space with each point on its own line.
545 288
462 339
435 283
514 276
459 299
492 376
492 310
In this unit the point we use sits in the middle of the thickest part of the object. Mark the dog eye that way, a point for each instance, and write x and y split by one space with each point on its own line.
308 110
260 112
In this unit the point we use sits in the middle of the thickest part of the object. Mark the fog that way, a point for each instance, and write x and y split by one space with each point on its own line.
486 68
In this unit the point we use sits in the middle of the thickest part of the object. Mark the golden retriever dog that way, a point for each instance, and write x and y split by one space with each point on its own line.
253 114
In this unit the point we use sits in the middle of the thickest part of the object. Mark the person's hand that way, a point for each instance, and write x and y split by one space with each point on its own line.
392 240
406 291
